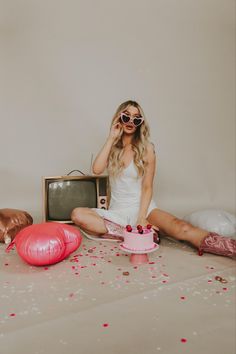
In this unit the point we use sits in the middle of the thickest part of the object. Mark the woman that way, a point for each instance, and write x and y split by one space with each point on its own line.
130 160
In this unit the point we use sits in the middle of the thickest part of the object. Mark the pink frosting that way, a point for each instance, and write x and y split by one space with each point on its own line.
140 242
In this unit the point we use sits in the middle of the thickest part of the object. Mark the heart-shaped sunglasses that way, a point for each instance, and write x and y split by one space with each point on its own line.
125 119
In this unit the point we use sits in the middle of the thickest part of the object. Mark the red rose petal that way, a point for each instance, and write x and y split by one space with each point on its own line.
183 340
12 314
105 324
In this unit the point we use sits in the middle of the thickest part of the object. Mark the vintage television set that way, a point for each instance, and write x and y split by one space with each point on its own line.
61 194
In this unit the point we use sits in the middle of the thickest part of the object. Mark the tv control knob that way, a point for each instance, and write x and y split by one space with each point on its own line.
103 201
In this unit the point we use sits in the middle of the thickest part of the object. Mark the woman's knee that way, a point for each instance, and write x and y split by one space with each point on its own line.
77 215
89 221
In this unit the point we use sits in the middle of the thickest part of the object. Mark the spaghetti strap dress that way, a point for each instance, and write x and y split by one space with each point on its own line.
125 198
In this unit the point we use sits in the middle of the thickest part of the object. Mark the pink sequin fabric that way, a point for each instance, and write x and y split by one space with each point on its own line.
115 231
214 243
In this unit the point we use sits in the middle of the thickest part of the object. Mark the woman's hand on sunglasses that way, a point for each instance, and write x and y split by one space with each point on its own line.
116 131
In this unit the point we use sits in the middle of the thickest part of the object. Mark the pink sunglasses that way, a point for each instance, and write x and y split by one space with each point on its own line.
125 119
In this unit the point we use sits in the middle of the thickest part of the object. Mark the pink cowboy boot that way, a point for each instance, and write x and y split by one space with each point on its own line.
156 238
114 231
214 243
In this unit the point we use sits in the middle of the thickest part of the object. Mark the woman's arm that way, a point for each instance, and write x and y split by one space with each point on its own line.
147 185
100 162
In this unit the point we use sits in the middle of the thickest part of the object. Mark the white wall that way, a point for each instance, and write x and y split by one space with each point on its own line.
67 64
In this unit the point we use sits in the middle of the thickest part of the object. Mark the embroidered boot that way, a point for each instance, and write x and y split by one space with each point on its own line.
214 243
156 237
114 231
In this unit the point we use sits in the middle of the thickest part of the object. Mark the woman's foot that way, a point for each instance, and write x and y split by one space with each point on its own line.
216 244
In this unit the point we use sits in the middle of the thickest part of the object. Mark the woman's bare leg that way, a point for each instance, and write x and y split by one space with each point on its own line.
179 229
89 221
93 224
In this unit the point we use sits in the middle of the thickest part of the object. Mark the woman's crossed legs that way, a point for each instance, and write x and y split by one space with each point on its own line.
169 225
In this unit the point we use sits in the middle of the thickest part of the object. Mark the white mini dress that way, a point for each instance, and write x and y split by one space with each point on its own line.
125 198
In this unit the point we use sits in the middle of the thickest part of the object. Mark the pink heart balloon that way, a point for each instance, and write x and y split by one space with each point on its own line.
46 243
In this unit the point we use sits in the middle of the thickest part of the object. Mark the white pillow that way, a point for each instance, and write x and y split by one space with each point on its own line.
214 220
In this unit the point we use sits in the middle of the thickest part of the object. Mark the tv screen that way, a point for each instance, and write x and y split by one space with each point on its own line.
63 194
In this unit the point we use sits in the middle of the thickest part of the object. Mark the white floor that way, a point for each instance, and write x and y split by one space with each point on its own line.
86 304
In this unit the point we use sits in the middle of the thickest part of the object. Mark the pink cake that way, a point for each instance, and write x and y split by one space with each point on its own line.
136 241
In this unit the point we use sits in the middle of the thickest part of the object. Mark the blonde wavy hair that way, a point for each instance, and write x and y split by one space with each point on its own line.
139 143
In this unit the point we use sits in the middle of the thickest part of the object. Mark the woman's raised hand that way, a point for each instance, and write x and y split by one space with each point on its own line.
116 131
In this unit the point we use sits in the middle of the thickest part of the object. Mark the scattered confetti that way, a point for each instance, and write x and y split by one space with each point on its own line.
101 269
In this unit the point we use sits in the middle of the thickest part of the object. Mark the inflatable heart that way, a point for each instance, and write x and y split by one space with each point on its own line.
46 243
72 238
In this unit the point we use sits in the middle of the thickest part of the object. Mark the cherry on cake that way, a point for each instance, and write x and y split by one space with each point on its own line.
138 238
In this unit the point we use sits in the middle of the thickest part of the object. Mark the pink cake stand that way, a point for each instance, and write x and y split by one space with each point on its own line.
139 257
